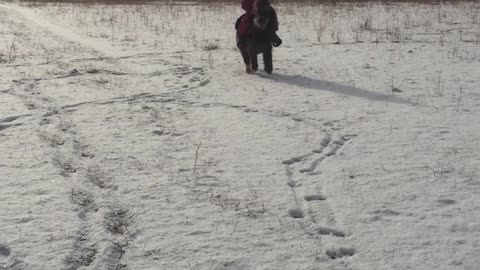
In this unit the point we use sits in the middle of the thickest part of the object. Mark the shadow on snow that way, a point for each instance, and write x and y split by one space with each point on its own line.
316 84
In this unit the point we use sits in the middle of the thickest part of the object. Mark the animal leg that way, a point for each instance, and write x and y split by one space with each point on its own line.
246 59
253 60
267 60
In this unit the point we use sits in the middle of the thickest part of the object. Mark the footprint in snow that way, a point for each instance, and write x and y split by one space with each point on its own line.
4 250
445 201
295 159
386 212
296 213
316 197
330 231
293 184
158 132
340 253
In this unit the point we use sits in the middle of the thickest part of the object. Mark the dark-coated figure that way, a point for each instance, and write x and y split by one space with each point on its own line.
262 23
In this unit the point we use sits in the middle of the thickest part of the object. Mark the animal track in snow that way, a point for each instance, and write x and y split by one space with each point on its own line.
313 165
386 212
117 221
98 211
328 147
297 119
325 140
84 199
317 212
250 110
314 198
445 201
158 132
98 177
295 159
83 253
4 250
296 213
332 150
334 124
340 141
293 184
329 231
340 252
184 77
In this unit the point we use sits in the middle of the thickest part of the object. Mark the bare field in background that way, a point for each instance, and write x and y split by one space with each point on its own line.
306 2
156 26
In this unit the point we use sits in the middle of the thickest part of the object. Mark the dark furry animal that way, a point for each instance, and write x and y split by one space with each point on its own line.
261 34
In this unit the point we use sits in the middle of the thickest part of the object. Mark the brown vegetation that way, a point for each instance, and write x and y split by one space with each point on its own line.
306 2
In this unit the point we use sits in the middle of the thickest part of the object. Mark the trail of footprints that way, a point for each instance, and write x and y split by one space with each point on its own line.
307 165
104 223
103 232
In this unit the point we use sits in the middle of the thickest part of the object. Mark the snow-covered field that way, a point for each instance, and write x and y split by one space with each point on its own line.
131 138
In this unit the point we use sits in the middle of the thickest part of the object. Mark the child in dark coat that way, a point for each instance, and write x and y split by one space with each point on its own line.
246 19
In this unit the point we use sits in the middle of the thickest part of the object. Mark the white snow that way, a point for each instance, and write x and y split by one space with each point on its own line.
131 138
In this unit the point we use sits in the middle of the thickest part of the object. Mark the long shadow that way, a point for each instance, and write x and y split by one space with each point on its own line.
315 84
